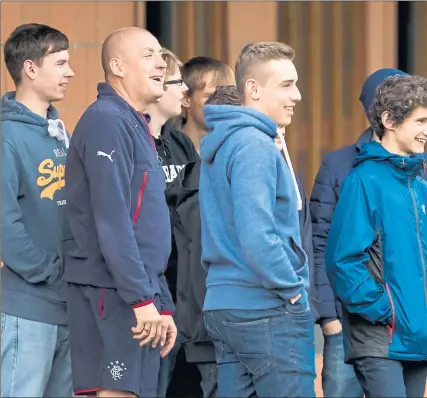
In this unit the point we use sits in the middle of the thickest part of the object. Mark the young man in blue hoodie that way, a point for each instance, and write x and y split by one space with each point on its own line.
256 307
338 378
120 307
377 246
35 348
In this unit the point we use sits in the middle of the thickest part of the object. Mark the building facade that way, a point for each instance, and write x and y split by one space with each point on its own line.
337 45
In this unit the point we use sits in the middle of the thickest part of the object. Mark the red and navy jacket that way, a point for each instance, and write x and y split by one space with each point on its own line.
120 234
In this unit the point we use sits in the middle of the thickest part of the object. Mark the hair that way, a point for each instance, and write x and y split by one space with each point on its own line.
31 42
172 61
224 95
254 54
399 96
195 70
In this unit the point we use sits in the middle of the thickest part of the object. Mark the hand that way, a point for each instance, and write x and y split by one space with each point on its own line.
169 336
333 327
293 300
148 324
1 264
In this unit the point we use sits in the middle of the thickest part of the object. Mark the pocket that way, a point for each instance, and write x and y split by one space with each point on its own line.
251 342
140 196
393 315
301 308
299 252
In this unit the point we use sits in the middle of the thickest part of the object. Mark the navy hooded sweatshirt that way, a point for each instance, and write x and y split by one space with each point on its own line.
33 168
120 227
324 197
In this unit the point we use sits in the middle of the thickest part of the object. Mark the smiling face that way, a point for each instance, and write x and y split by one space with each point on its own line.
274 91
410 136
170 104
49 78
135 59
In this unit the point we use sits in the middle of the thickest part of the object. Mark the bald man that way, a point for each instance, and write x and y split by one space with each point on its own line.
120 309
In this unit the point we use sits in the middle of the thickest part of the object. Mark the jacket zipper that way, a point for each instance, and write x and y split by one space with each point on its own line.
140 195
393 315
419 239
153 144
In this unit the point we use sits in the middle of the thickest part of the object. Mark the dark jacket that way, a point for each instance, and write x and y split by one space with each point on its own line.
191 289
176 150
376 256
324 196
117 211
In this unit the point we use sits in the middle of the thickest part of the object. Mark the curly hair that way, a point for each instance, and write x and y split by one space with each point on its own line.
399 96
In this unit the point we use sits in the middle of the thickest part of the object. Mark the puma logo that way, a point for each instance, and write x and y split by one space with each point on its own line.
100 153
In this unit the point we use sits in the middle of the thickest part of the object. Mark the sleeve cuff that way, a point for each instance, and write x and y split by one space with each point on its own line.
166 313
143 304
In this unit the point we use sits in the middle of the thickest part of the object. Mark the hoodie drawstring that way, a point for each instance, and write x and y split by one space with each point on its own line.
288 161
56 128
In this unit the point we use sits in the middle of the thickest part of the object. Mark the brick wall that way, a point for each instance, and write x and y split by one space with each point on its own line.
86 24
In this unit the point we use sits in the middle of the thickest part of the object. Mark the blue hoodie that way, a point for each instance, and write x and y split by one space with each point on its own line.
32 215
376 256
251 244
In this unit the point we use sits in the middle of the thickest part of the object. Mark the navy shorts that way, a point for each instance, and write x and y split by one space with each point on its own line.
104 355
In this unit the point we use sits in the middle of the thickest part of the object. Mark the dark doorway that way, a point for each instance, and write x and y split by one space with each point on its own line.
404 23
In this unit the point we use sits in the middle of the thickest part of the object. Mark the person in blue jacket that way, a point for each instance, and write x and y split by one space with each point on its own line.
338 378
377 246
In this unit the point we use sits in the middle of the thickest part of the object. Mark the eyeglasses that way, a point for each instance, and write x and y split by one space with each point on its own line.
178 82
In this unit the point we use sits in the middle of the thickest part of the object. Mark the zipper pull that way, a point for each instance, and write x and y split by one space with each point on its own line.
159 159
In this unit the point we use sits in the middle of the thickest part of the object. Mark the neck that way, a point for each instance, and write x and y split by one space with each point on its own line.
138 105
194 132
32 102
391 146
156 123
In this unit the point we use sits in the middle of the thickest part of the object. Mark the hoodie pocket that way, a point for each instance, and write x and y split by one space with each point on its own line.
300 253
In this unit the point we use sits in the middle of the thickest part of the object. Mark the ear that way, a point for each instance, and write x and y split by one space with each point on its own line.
387 123
116 67
252 89
30 69
186 101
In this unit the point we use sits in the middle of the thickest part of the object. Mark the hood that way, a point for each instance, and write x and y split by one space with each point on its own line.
164 141
369 88
16 111
376 152
223 121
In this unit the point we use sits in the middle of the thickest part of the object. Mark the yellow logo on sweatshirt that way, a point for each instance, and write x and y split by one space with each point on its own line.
52 177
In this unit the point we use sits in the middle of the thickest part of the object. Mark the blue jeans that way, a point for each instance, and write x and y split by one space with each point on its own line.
381 377
35 359
338 378
268 353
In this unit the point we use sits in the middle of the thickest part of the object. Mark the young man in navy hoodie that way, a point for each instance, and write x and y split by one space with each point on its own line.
256 307
120 307
35 348
338 378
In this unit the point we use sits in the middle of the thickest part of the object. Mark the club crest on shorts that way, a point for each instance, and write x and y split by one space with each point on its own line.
116 369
